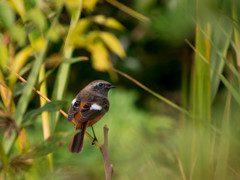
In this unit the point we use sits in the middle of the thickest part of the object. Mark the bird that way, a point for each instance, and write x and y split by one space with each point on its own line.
87 108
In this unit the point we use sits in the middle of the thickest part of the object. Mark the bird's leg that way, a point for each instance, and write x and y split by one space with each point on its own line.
94 139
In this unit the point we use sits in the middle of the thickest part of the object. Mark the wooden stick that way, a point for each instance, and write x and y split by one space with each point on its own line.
105 155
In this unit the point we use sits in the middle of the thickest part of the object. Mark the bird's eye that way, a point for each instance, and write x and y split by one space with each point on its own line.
100 84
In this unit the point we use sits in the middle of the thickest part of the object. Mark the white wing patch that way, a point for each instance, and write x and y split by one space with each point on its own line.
73 101
96 107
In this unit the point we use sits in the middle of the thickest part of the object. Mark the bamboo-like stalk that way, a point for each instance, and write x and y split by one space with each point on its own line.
25 98
4 158
45 115
63 72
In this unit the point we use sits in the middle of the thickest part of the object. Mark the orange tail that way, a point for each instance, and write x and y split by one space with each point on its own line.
76 145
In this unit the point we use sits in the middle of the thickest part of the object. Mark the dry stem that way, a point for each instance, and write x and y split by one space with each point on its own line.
105 155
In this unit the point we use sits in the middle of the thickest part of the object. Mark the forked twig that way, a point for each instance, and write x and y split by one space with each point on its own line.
105 155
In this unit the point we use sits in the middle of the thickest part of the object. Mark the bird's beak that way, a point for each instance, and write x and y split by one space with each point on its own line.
112 86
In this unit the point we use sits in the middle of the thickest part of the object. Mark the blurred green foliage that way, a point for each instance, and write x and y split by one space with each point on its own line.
189 51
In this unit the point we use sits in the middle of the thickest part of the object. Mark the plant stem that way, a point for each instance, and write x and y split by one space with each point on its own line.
25 98
63 72
4 157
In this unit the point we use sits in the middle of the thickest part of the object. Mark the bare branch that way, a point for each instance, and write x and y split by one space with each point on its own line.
105 155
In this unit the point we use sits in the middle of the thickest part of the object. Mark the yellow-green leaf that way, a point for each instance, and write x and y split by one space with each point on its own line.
109 22
113 43
82 26
7 16
3 89
39 44
113 23
100 57
36 16
18 5
89 4
72 3
53 34
18 34
18 62
3 56
79 41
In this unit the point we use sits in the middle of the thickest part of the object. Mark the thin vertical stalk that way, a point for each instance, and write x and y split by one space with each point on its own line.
45 115
4 158
63 72
201 98
32 78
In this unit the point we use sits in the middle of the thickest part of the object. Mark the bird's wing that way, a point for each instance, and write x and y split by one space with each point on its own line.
90 111
74 108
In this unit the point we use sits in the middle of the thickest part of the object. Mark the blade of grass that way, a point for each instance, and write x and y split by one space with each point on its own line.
129 11
233 91
45 115
23 140
223 155
6 95
63 72
236 32
219 52
201 99
219 43
4 157
181 168
45 118
192 168
154 93
24 99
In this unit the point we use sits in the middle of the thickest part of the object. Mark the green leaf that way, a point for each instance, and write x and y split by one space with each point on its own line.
64 69
19 61
50 107
7 16
48 146
4 56
75 59
18 89
19 34
232 90
37 17
220 44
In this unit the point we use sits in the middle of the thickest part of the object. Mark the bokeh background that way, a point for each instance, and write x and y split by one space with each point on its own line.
179 121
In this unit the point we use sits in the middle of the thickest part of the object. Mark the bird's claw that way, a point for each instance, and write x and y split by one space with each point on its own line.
94 139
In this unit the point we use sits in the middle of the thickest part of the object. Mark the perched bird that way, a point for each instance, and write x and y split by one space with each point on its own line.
86 109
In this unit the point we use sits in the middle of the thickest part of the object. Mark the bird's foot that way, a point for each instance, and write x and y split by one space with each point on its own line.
94 139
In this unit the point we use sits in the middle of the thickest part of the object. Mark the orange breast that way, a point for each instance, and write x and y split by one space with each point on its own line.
96 119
